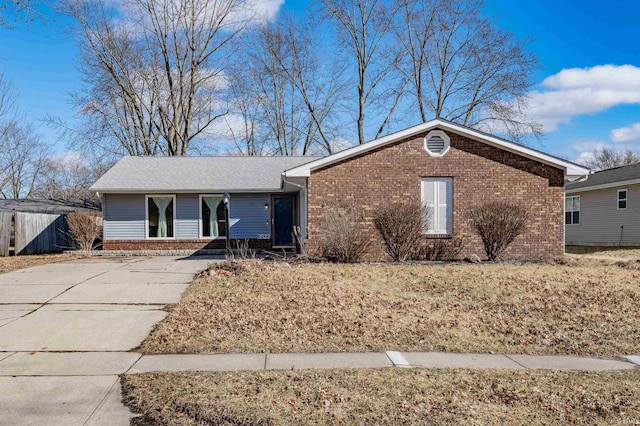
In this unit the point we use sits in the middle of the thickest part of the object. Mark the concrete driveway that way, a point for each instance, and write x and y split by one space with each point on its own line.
66 329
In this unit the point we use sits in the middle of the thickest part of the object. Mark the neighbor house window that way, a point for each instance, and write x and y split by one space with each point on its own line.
160 216
572 210
622 199
437 197
213 222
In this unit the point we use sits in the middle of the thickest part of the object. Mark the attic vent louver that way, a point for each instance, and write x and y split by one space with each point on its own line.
436 143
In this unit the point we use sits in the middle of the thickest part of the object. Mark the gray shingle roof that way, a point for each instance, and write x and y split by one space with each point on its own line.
214 174
610 176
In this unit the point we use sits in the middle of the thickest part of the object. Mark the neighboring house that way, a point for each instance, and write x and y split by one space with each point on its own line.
176 203
604 210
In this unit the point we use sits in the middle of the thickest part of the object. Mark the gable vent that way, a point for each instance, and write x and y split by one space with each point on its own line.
436 143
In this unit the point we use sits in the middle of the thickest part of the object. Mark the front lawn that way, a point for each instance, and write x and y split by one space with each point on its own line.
386 396
621 252
506 308
14 263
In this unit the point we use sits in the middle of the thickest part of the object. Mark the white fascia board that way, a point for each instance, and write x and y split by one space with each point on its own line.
603 186
570 169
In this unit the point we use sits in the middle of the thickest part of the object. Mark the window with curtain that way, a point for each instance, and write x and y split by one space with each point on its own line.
160 210
437 196
213 216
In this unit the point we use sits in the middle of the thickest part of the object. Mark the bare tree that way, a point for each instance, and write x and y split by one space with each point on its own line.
285 93
154 77
363 28
602 159
26 10
462 68
22 157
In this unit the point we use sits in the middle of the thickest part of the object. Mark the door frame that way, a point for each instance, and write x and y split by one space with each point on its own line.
273 218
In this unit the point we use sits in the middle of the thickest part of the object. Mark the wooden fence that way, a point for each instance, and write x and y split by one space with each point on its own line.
34 233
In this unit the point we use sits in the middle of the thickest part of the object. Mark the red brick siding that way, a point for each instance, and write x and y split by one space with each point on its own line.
178 244
481 173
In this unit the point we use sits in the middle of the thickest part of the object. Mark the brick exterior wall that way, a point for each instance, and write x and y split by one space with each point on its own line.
481 173
179 244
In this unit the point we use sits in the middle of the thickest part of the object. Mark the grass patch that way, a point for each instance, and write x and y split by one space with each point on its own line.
621 252
13 263
385 396
505 308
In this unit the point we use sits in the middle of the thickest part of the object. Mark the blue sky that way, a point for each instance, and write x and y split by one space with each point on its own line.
585 97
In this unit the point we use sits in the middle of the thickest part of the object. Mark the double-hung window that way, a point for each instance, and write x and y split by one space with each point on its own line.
213 221
572 210
437 197
160 215
622 199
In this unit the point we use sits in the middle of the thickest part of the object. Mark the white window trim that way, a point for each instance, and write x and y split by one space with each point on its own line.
449 230
579 211
444 136
625 199
146 216
200 227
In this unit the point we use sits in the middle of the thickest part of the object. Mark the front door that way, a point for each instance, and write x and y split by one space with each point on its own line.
283 220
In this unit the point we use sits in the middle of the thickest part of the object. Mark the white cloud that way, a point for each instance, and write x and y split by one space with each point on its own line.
626 134
579 91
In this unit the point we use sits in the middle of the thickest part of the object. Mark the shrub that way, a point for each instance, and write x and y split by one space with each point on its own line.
342 240
400 225
498 224
84 228
438 250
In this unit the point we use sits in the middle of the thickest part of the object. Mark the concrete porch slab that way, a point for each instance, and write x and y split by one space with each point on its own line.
67 363
568 363
455 360
326 360
219 362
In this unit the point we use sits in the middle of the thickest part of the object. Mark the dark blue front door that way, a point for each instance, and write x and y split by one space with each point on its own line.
283 220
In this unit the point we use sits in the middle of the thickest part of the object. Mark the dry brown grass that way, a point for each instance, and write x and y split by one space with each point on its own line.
621 252
386 396
13 263
507 308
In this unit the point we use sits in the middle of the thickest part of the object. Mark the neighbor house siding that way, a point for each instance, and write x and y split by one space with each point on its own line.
123 216
601 221
480 173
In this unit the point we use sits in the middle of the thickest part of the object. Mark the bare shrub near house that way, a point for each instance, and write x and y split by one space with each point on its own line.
400 225
442 250
84 228
498 224
342 240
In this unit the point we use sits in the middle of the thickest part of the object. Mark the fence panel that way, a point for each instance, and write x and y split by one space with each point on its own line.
40 233
5 233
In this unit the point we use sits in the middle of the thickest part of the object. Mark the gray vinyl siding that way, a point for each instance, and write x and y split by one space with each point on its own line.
187 216
601 221
124 216
247 216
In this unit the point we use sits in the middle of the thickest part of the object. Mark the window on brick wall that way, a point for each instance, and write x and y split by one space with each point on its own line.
437 197
572 210
622 199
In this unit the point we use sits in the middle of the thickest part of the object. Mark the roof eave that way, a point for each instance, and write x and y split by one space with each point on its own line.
570 169
603 186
